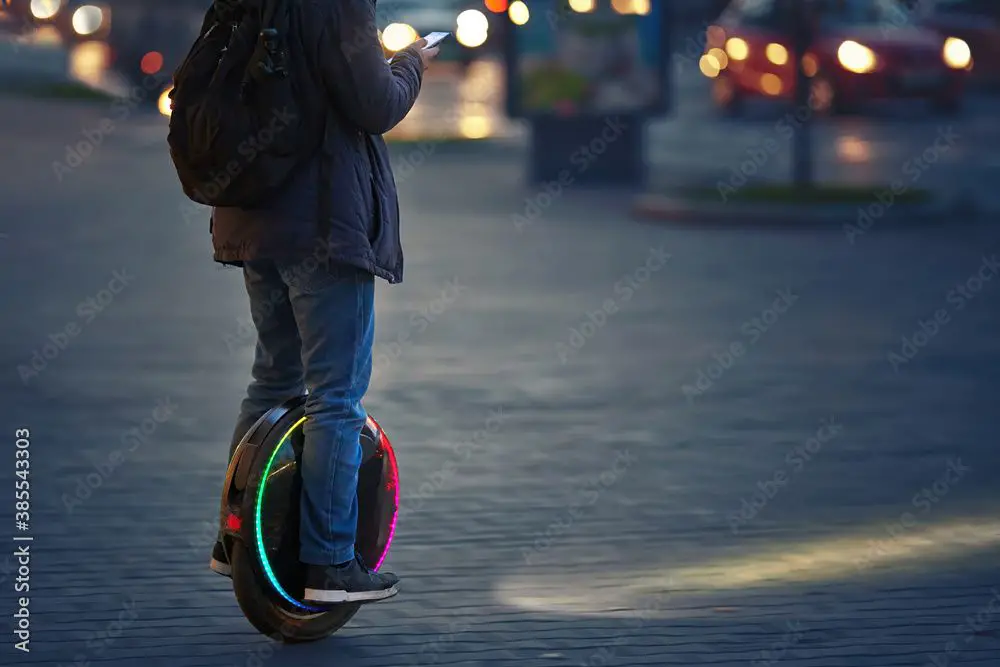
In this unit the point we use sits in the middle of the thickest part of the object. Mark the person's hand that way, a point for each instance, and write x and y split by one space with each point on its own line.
426 55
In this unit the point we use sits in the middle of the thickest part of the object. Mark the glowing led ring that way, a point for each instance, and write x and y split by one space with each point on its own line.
260 504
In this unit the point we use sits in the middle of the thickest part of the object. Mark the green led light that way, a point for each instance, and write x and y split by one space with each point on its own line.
258 522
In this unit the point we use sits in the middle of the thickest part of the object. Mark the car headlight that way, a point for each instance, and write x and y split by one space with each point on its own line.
398 36
87 20
856 58
956 53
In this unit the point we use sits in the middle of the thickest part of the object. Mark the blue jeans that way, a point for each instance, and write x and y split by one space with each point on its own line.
315 328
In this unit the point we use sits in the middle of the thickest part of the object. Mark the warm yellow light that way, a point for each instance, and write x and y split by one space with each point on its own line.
473 28
45 9
685 589
737 48
165 104
856 58
776 53
87 20
709 66
398 36
89 61
641 7
720 57
956 53
770 84
582 6
631 7
853 149
518 13
475 127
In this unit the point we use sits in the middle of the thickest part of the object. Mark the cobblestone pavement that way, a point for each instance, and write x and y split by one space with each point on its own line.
725 456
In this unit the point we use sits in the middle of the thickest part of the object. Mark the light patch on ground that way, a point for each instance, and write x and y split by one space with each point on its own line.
691 587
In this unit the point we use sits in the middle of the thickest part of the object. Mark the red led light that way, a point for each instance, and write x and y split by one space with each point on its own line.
233 522
496 6
152 62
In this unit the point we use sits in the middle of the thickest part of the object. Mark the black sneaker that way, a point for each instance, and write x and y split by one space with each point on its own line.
353 582
220 561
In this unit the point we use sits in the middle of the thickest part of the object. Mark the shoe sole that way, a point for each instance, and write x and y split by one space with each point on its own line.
335 597
221 568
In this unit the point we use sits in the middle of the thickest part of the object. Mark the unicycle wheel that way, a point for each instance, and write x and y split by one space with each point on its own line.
274 620
261 515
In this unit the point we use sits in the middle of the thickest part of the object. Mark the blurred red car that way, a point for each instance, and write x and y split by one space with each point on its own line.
863 50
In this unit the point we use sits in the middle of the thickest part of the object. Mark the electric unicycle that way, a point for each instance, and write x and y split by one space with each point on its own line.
260 523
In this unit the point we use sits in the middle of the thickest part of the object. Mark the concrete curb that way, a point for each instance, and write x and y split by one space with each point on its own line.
676 209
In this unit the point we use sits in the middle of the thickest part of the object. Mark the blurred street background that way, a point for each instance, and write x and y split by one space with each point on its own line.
694 444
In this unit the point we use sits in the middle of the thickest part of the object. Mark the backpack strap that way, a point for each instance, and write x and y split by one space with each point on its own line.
270 52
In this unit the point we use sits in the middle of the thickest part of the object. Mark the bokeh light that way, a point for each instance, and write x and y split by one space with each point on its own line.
45 9
87 20
151 63
518 12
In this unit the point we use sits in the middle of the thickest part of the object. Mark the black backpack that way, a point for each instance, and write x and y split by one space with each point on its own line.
239 123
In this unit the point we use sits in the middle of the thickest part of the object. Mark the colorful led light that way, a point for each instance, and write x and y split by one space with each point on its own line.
393 472
258 510
394 476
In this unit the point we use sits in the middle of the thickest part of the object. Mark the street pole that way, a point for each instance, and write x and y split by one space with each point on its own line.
802 153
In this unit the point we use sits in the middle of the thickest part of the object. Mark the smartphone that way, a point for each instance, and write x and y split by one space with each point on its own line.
435 38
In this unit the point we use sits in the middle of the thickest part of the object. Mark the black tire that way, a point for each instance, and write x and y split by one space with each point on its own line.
272 619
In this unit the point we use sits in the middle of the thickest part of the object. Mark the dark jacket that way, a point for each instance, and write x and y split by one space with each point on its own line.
337 40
